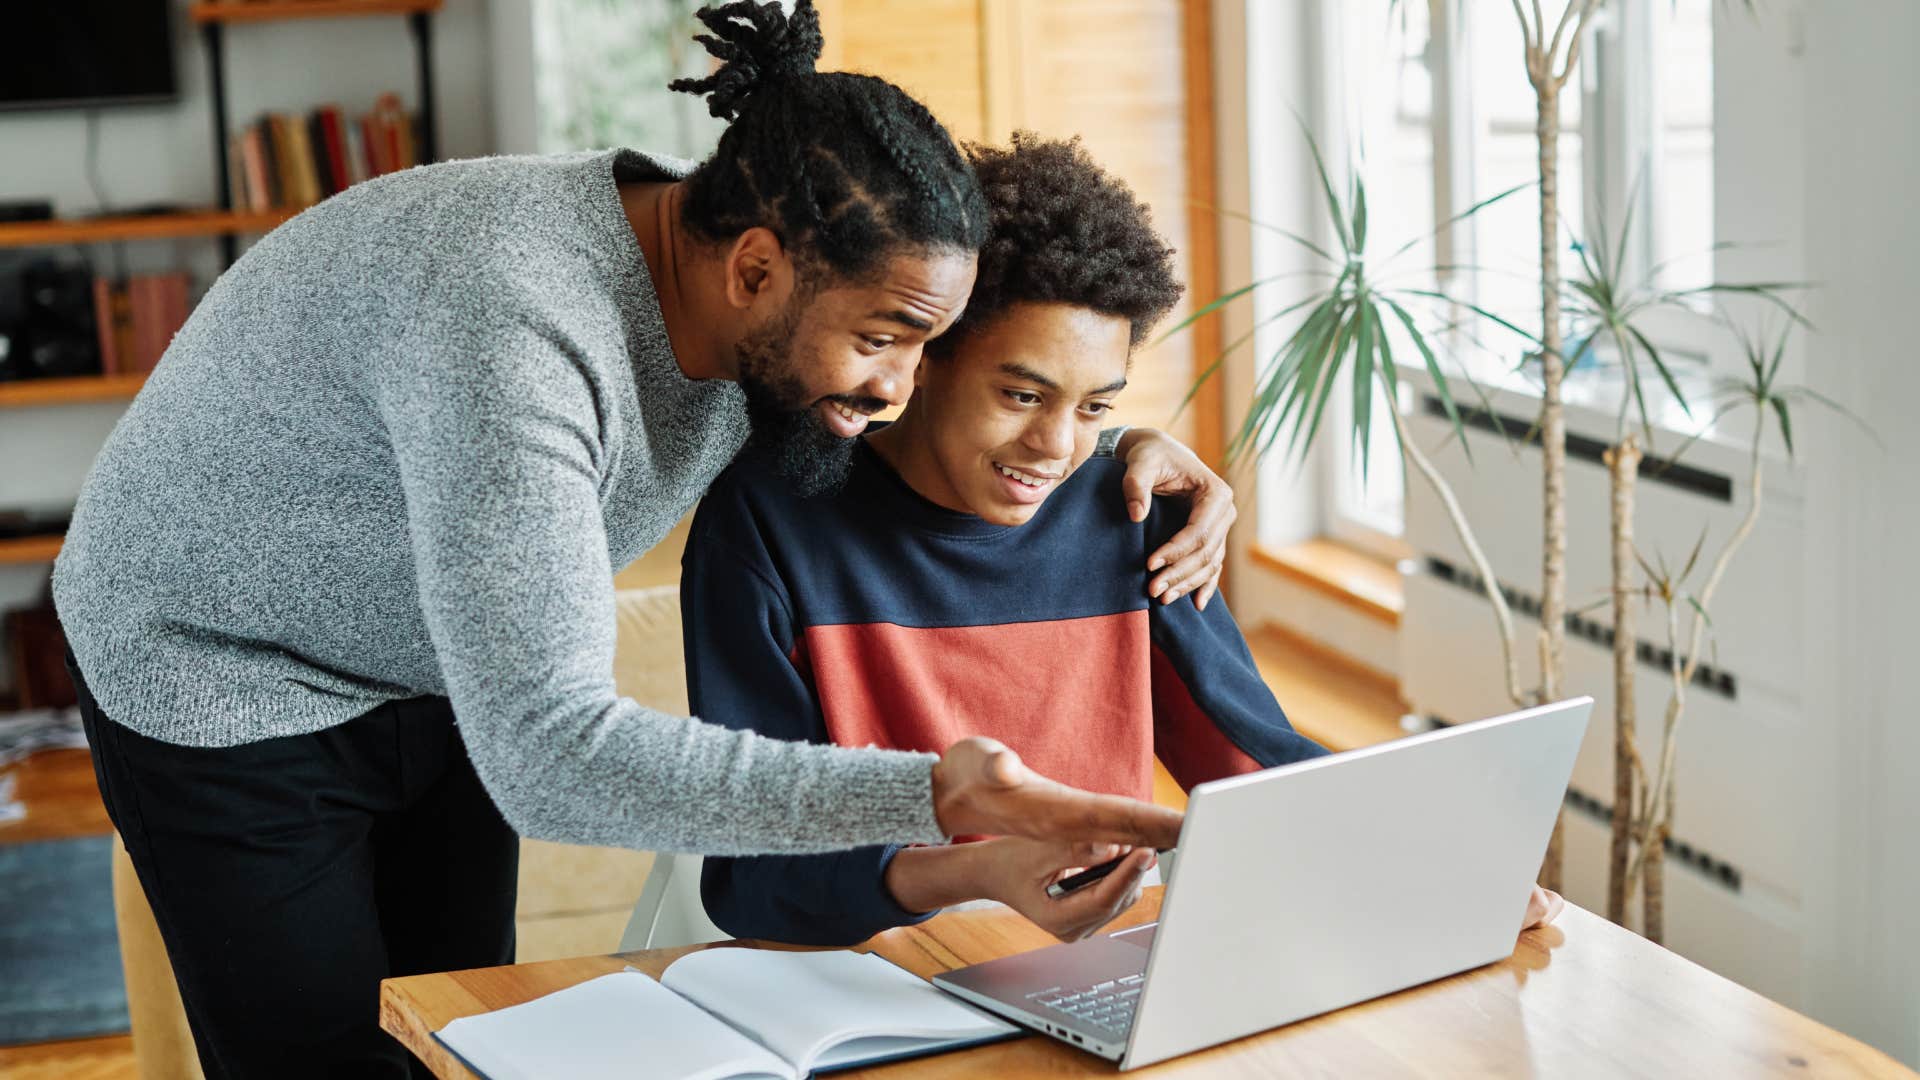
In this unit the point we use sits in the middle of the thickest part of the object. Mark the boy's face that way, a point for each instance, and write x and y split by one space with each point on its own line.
1019 406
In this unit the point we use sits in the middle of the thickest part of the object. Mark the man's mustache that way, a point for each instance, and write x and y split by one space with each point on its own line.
857 404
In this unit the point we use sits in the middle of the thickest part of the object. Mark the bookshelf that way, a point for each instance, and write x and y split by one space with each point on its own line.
236 11
137 227
71 391
224 222
215 17
30 549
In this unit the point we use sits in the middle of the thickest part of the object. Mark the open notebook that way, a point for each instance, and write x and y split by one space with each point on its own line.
723 1013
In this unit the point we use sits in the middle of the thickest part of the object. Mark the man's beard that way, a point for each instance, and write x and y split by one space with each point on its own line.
783 421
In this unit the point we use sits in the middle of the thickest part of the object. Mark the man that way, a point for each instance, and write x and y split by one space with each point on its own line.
338 588
976 577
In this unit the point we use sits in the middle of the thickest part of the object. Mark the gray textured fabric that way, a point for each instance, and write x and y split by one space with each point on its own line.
399 449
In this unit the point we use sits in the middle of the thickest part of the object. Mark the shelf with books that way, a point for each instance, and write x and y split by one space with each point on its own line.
238 11
70 391
288 161
30 549
242 183
61 231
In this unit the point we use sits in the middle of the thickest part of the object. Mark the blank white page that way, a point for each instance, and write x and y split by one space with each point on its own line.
802 1003
614 1027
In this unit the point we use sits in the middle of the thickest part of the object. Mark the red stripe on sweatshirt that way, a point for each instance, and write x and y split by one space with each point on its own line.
1072 696
1190 745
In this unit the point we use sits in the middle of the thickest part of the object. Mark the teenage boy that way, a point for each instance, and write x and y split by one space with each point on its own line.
978 576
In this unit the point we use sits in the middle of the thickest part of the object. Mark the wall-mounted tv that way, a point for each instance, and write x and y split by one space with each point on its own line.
57 54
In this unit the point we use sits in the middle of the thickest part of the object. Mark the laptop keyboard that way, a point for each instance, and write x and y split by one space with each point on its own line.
1107 1005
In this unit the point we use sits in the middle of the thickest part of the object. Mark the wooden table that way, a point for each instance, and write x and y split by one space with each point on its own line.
1579 998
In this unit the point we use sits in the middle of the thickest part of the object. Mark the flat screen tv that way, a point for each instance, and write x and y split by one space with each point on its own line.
57 54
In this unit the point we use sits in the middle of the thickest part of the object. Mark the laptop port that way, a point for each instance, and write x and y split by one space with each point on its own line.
1077 1039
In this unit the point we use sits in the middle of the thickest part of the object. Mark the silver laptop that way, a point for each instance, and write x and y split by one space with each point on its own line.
1310 887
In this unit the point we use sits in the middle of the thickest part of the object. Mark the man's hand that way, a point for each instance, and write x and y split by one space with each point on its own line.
1159 464
982 788
1542 908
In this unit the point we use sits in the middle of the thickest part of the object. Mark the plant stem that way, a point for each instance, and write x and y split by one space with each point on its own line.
1623 471
1502 615
1660 808
1553 430
1652 860
1553 424
1653 901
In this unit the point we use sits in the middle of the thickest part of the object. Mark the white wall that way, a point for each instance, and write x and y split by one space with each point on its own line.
165 153
515 101
1856 149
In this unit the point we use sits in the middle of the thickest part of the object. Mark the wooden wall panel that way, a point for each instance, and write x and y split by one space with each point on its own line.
1112 72
929 48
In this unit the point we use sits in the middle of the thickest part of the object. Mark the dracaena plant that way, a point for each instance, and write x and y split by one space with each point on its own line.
1651 813
1343 341
1605 301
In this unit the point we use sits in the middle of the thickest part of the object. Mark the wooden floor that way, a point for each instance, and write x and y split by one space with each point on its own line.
1327 699
109 1057
58 790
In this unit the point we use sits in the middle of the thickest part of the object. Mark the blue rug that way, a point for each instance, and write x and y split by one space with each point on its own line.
58 947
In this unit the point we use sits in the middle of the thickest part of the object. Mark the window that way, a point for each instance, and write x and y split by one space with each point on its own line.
1432 98
1681 158
1386 120
601 73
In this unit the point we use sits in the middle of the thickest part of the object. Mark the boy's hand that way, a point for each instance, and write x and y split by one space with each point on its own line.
1542 908
1016 872
981 788
1189 562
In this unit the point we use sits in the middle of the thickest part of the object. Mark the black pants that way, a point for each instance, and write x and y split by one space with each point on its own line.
290 876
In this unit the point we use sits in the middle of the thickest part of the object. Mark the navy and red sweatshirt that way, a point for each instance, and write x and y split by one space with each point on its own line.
875 617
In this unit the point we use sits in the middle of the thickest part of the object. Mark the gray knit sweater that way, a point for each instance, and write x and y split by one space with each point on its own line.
400 449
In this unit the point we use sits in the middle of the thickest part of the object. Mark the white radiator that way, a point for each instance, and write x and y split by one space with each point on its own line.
1733 886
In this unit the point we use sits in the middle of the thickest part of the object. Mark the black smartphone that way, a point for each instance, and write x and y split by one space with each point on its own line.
1084 878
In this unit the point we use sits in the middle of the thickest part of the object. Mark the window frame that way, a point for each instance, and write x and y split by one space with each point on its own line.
1618 83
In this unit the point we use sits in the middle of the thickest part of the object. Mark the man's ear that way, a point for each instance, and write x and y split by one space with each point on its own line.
758 270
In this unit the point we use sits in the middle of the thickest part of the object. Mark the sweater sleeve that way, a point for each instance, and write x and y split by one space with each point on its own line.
742 666
495 426
1213 714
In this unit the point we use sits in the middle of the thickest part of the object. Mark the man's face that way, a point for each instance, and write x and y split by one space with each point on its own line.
1019 406
834 355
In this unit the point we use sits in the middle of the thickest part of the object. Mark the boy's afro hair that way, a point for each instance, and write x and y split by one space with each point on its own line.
1062 229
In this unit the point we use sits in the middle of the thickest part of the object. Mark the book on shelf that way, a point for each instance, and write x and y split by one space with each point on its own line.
724 1013
259 178
114 324
300 145
329 138
284 161
137 318
288 190
236 174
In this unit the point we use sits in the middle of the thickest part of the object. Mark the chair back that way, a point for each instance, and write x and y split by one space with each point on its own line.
670 912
